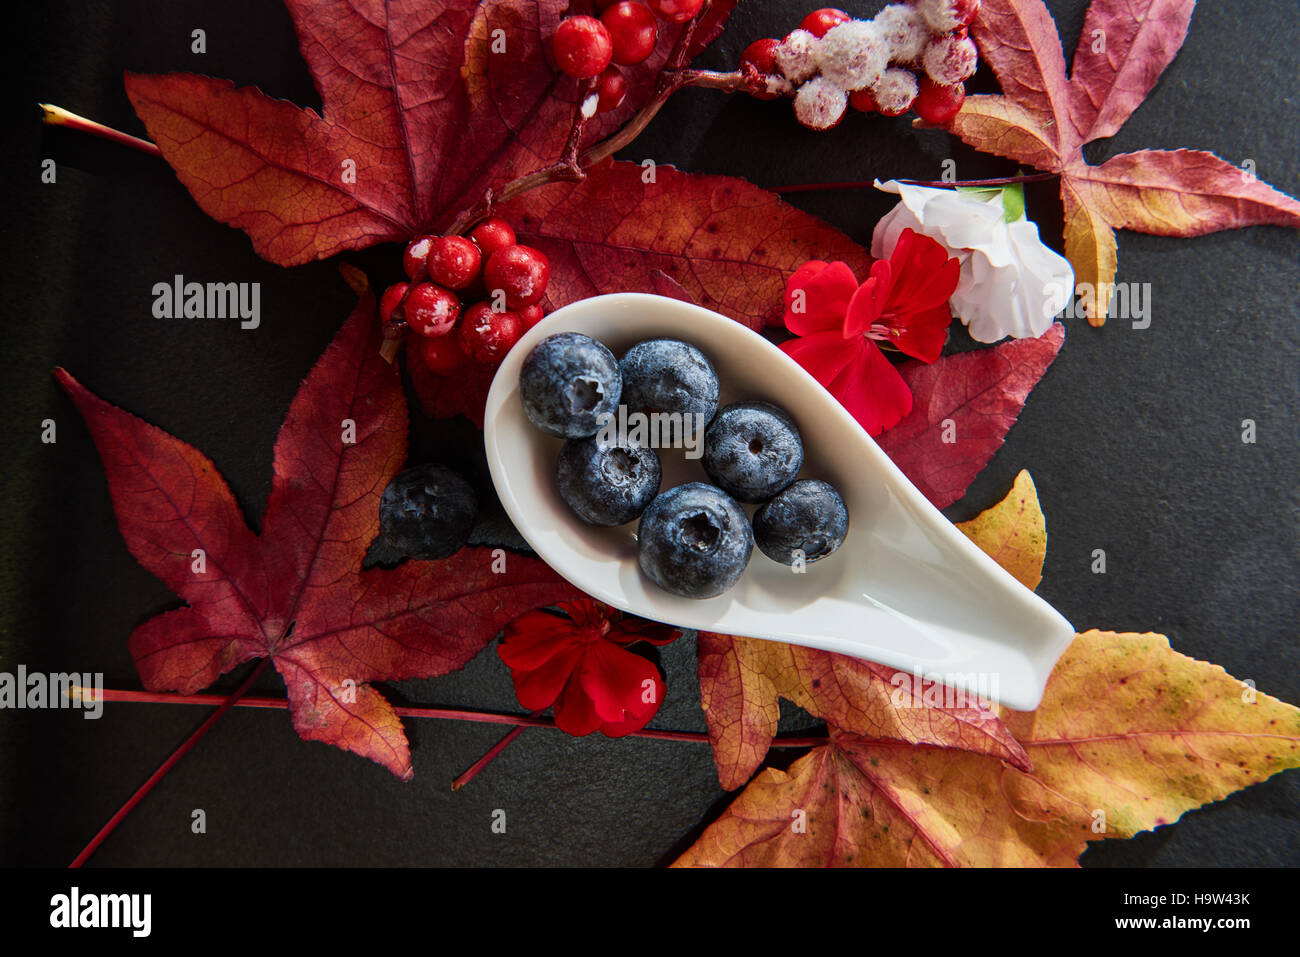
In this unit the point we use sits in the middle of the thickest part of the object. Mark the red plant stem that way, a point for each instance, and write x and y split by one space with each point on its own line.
225 705
58 116
484 761
933 183
452 714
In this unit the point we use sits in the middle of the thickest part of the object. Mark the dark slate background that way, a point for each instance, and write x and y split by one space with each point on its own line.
1133 438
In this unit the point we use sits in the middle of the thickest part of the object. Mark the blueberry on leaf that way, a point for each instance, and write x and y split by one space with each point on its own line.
427 512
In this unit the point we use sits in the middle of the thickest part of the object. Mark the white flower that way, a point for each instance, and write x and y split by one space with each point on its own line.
1010 285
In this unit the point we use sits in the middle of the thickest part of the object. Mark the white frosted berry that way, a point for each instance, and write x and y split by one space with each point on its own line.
820 104
796 56
895 91
853 55
950 59
904 30
945 15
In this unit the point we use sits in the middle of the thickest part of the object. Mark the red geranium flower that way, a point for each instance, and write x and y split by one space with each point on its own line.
581 665
904 303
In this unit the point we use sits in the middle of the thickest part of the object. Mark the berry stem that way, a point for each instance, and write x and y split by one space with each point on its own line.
224 705
53 115
572 166
933 183
451 714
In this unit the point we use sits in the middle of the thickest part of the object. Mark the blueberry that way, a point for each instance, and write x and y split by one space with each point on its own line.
427 512
694 541
752 450
607 485
567 383
808 519
668 375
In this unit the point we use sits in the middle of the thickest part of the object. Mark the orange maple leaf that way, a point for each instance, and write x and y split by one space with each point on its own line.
1044 119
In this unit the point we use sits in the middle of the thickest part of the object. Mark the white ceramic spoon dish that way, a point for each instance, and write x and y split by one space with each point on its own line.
906 589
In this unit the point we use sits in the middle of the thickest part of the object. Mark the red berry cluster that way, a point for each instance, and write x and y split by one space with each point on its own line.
506 279
625 34
913 55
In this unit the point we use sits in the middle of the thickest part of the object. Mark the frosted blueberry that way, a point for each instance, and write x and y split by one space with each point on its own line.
568 382
752 450
606 486
668 375
807 521
694 541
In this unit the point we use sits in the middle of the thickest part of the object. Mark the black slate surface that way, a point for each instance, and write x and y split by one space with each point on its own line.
1133 437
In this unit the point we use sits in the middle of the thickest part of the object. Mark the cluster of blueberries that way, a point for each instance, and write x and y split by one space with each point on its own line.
693 540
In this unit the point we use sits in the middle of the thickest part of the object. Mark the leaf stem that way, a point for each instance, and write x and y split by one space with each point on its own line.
450 714
53 115
225 704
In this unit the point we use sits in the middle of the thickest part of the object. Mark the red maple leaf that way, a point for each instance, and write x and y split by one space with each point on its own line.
297 593
425 106
962 407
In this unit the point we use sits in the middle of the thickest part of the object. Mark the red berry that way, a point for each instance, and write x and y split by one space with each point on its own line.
492 235
454 261
521 272
603 5
611 88
820 22
761 57
487 336
678 11
582 46
431 310
530 316
632 29
937 103
415 257
441 356
862 101
391 300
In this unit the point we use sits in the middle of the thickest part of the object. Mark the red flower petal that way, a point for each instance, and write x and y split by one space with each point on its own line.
924 333
827 289
636 721
869 301
574 712
824 354
530 640
612 677
873 391
538 688
631 630
924 275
